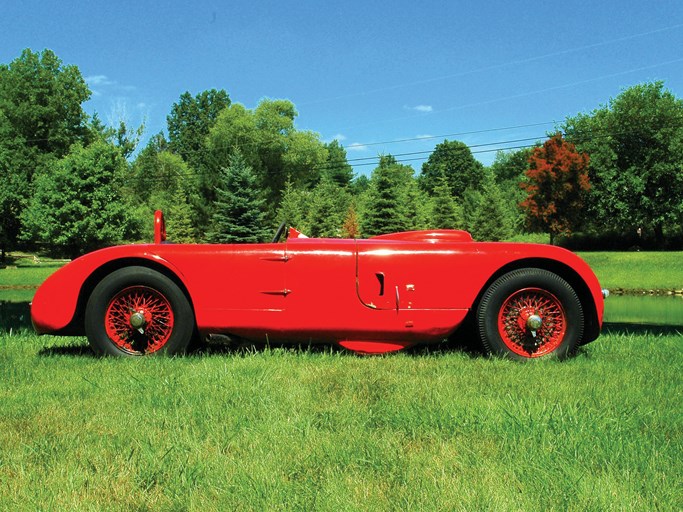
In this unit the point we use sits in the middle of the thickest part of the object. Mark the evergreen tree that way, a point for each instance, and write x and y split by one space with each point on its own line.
238 210
327 209
179 219
293 205
492 219
337 168
384 206
445 213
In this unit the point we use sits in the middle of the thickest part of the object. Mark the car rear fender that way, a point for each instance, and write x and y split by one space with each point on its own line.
583 281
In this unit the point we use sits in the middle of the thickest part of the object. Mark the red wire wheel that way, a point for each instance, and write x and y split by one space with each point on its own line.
139 320
525 307
136 311
530 313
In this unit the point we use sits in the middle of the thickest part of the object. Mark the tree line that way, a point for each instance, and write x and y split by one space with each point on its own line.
225 173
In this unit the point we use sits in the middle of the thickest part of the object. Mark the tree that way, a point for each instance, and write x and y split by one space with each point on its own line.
14 186
179 218
238 211
190 121
508 170
40 118
78 205
636 148
270 144
42 101
337 167
351 225
557 186
327 208
445 213
293 207
384 210
454 160
491 220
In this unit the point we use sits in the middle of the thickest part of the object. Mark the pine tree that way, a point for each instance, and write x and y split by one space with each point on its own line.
327 209
445 213
293 204
337 167
238 210
179 219
385 204
492 219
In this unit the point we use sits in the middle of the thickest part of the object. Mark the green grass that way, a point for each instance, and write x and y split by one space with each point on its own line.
26 276
637 270
292 430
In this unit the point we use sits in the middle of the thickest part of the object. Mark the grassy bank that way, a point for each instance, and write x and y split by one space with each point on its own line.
288 430
637 270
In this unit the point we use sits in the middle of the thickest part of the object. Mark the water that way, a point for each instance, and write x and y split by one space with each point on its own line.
622 309
644 310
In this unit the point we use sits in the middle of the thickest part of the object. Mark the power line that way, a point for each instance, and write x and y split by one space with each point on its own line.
496 66
504 145
457 134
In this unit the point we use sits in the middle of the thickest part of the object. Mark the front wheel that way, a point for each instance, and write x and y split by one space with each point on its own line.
137 311
530 313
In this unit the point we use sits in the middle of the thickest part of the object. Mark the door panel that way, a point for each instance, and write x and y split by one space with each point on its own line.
406 276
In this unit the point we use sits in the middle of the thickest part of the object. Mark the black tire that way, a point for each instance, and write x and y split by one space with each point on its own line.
504 316
161 306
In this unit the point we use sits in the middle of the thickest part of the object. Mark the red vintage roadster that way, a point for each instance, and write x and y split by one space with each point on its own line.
371 296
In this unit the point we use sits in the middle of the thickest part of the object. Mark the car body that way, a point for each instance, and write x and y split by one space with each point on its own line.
369 295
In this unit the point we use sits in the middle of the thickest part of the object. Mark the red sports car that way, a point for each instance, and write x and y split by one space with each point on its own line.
371 296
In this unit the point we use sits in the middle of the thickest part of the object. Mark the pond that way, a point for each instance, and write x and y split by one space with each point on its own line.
645 309
621 309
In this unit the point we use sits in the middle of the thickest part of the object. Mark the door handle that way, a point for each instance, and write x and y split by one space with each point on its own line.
380 278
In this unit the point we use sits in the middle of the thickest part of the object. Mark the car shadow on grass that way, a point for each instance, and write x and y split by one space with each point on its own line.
465 344
239 347
67 350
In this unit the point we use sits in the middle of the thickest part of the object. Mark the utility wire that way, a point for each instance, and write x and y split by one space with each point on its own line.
497 66
505 145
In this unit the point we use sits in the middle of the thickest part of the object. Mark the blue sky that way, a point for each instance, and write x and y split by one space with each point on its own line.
367 73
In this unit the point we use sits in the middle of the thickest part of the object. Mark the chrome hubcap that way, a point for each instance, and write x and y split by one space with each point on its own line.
137 320
534 322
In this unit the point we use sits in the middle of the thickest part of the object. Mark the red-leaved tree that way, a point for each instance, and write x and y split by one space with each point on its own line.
556 187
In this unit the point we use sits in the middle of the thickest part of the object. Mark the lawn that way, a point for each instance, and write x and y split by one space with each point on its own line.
282 429
637 270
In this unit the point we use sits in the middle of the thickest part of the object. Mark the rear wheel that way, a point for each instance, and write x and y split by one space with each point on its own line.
530 313
138 311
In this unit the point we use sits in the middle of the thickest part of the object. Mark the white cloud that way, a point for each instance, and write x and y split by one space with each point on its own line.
424 136
356 146
420 108
339 138
99 80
